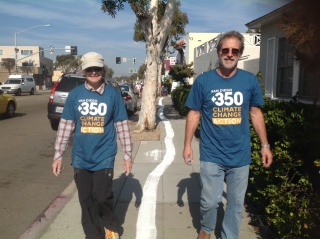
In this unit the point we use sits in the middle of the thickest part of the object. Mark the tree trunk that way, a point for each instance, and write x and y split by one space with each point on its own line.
147 116
155 35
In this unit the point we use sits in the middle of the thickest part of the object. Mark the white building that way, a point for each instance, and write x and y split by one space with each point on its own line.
186 46
200 48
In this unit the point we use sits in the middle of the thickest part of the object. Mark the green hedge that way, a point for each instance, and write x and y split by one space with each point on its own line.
284 197
179 97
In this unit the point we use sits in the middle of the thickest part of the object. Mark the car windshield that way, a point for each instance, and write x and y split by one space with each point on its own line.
124 88
68 83
15 81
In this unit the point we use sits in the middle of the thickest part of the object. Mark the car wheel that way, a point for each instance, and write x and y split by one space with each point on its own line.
18 92
10 110
54 126
32 92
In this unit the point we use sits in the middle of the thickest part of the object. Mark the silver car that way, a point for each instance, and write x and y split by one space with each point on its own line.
131 98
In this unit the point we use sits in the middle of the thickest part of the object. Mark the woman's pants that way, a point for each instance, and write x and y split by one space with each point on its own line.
96 201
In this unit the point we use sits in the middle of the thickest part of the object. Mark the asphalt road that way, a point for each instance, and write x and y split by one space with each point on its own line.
27 185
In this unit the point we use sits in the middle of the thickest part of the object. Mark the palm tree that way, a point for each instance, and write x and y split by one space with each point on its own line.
8 63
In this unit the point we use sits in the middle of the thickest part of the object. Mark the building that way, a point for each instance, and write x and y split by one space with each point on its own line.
185 47
200 48
206 57
30 61
281 74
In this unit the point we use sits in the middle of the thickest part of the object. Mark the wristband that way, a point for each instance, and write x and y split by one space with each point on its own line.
263 146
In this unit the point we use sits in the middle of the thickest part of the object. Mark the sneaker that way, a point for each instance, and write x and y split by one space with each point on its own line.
111 234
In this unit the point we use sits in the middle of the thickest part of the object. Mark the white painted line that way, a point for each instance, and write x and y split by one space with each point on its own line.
146 222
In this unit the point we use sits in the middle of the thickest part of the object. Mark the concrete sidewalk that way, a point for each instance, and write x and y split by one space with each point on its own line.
160 199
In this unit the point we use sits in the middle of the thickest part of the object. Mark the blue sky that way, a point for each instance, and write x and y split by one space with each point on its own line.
81 23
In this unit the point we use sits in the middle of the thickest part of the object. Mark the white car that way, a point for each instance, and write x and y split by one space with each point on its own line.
131 98
17 84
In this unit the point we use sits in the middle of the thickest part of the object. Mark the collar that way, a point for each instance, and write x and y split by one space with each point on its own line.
100 90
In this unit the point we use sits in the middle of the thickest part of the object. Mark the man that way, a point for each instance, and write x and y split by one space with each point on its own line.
95 113
225 97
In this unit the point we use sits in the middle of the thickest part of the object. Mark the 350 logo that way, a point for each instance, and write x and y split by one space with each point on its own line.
227 98
93 108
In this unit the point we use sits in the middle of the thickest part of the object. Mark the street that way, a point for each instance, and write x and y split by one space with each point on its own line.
27 185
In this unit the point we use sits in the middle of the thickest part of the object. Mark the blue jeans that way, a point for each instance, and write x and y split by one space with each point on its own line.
212 178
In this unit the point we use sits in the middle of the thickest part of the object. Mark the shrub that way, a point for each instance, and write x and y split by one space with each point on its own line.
283 195
179 97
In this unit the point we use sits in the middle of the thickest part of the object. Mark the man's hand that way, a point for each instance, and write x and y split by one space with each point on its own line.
57 167
187 155
266 157
127 166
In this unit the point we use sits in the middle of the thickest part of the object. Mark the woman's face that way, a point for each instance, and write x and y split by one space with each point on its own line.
94 75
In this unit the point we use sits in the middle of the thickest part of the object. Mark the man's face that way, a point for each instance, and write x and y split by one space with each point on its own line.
93 75
230 53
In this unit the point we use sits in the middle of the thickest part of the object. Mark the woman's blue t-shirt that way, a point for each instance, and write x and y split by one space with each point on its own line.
224 104
95 142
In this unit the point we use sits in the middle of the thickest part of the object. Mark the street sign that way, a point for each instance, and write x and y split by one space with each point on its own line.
67 49
133 70
124 59
173 60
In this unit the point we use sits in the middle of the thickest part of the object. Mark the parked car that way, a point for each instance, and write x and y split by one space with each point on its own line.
8 104
60 92
17 84
131 98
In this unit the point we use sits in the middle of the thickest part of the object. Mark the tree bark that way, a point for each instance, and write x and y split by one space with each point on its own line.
155 35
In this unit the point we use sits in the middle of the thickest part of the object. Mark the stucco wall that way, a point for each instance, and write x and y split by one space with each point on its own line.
209 60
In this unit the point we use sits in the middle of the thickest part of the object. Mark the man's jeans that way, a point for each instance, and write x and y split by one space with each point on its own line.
212 178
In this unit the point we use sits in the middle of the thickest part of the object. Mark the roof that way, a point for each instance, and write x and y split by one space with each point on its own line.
268 18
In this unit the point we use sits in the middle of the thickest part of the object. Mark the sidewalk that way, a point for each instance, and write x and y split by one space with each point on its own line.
160 197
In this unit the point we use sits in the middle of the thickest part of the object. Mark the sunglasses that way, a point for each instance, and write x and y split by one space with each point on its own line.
93 69
235 52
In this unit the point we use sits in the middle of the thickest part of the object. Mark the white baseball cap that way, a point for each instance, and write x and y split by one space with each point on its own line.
91 59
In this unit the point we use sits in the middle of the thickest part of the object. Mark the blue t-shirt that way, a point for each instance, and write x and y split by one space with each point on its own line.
224 104
95 142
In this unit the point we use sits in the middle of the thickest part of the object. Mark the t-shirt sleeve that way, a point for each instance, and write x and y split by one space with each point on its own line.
257 98
68 111
194 100
120 112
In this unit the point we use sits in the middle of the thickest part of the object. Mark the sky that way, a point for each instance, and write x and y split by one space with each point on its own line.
81 23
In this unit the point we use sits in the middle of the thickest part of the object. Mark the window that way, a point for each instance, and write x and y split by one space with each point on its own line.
284 69
309 85
1 52
212 44
200 50
26 52
257 39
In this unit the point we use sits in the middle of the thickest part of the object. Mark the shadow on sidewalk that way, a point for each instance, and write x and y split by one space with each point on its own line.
127 188
191 186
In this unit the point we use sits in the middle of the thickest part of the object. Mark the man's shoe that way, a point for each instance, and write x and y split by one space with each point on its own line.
111 234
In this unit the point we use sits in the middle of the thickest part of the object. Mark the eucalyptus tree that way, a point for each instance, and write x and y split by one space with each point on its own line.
155 33
177 30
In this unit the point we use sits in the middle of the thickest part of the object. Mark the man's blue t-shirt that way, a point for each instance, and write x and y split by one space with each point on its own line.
95 142
224 104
